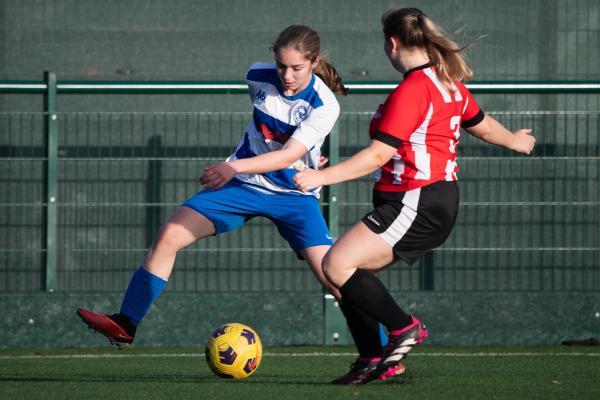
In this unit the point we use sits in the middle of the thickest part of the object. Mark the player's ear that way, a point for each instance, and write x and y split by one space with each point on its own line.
315 62
394 43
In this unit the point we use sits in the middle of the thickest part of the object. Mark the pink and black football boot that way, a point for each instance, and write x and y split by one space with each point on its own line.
361 371
400 343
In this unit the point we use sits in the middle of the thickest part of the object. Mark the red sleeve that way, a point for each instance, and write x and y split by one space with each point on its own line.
472 113
403 111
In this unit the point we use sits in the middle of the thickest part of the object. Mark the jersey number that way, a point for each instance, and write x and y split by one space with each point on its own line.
454 125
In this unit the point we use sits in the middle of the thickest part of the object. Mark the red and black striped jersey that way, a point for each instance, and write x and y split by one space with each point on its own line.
422 119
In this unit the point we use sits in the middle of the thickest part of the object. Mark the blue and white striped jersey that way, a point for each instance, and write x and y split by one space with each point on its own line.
308 117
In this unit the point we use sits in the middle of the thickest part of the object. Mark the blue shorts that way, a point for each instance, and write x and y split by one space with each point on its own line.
298 217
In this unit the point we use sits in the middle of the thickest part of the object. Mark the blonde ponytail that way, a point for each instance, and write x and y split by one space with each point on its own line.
414 29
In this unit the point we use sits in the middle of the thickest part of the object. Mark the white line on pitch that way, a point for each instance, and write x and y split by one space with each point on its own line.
315 354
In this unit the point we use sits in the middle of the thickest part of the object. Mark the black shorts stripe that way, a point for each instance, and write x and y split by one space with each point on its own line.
416 221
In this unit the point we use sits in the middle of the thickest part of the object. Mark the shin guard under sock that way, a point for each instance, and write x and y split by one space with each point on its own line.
367 293
143 289
364 330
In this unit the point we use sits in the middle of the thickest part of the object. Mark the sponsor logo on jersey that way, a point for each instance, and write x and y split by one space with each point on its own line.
260 97
300 113
275 135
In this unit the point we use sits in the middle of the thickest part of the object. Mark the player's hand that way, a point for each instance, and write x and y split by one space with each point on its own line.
523 141
307 179
216 176
322 161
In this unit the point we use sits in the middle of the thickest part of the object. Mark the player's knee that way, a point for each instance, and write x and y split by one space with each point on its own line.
168 238
329 267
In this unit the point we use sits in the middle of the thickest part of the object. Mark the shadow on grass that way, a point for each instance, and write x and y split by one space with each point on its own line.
186 379
175 378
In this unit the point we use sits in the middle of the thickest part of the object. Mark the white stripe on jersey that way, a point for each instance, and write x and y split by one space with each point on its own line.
431 74
457 95
399 167
451 170
419 147
308 117
466 105
396 231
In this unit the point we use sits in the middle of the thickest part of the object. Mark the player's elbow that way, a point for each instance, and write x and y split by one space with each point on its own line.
290 153
379 155
381 160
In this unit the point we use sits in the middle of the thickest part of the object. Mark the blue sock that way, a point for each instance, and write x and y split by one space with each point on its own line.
383 337
143 289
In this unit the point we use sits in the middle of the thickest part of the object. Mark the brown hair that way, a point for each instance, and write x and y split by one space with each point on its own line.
306 40
414 29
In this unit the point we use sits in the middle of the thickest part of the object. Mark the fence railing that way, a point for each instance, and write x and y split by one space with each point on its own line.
85 192
233 87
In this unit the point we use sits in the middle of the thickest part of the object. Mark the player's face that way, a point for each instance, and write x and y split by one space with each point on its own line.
294 70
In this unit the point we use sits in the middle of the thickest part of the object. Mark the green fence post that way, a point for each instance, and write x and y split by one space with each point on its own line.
332 191
336 331
49 283
427 271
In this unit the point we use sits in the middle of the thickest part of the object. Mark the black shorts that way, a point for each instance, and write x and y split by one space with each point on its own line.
416 221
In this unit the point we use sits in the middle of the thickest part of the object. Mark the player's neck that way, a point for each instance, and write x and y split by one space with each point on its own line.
410 59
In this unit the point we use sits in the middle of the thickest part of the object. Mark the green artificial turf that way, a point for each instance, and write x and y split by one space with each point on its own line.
301 373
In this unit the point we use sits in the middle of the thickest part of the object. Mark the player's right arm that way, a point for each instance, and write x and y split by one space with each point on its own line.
402 113
216 176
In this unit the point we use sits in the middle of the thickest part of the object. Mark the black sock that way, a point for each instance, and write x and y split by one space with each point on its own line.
125 322
364 330
366 292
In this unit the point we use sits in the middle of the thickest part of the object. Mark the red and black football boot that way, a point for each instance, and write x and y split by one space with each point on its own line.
117 328
400 343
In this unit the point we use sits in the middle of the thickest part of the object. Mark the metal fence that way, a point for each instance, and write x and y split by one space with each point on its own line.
84 194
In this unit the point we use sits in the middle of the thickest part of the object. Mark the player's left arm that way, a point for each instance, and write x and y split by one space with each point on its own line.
362 163
216 176
486 128
491 131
